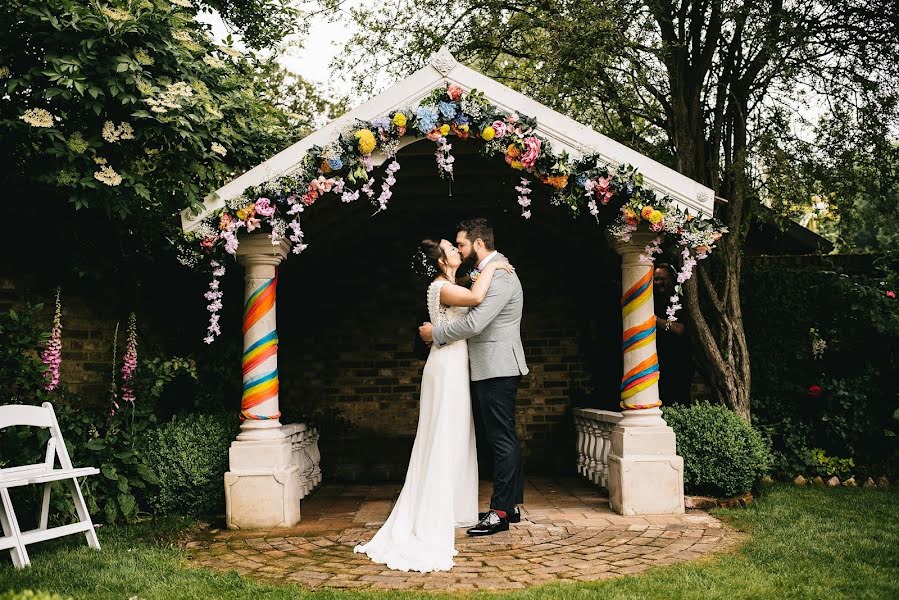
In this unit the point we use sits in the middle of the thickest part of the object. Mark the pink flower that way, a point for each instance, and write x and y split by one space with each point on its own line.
265 207
891 294
321 185
252 223
454 92
129 363
207 242
531 152
52 355
815 391
660 226
513 118
500 128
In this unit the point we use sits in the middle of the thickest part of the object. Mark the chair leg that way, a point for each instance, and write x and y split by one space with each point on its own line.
45 508
83 515
10 525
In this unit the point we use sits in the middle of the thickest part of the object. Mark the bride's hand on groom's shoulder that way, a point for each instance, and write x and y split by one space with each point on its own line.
507 267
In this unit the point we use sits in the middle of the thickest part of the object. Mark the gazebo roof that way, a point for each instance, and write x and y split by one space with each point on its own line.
564 133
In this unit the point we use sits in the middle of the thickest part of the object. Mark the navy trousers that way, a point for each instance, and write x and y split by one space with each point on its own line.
496 400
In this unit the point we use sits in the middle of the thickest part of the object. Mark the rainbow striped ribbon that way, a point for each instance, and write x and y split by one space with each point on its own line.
259 389
645 374
256 391
639 336
639 293
260 302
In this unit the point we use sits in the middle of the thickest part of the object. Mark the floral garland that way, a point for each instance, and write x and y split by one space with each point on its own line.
343 168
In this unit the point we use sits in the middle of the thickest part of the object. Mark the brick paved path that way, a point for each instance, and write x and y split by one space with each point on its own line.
567 533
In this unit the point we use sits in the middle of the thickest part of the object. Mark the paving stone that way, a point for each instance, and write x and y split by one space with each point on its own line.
568 534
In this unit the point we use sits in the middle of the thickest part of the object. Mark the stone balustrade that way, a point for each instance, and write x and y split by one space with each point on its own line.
594 441
306 455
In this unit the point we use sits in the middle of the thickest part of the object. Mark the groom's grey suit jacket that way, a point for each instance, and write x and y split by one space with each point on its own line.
493 330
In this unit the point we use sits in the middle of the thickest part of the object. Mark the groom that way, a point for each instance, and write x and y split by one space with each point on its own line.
493 331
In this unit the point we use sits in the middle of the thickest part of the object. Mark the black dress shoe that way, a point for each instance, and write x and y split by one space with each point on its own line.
513 517
490 524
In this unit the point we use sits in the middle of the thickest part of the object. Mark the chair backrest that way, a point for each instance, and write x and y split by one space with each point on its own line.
24 415
13 415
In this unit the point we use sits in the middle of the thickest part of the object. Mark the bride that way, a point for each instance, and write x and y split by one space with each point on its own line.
441 488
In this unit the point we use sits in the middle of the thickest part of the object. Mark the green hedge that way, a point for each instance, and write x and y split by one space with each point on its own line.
189 456
824 342
723 455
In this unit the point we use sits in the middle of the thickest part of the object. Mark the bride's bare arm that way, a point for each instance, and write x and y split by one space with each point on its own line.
456 295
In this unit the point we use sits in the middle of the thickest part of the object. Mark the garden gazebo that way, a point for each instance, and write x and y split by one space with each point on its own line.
645 475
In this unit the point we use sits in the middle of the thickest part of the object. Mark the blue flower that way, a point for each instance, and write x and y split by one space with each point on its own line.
461 120
581 180
426 118
381 123
447 109
335 163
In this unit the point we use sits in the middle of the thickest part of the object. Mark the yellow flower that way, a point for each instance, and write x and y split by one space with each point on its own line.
444 129
366 141
655 216
399 119
516 164
488 133
242 214
646 211
630 214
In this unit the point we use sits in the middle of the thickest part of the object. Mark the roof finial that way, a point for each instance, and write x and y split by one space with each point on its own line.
443 61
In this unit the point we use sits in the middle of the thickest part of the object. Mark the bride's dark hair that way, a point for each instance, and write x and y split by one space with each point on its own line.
427 258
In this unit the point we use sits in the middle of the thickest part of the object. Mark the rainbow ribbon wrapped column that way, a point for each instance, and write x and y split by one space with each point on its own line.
639 385
260 355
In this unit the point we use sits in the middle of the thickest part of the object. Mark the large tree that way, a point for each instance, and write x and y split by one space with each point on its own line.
694 83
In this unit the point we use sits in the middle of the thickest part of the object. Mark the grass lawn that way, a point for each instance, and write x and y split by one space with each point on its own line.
804 543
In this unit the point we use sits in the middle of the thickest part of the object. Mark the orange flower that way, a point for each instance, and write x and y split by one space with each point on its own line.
513 151
557 181
647 210
325 168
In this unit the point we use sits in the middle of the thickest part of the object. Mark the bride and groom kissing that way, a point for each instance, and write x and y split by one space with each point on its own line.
476 353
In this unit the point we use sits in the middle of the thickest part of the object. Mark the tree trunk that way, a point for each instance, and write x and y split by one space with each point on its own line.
712 296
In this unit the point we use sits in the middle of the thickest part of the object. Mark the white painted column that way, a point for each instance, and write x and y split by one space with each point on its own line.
262 486
646 476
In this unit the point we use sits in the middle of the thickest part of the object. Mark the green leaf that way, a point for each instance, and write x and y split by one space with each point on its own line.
110 510
128 505
147 475
95 444
109 472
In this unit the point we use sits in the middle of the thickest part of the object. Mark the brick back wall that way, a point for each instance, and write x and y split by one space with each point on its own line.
87 335
347 317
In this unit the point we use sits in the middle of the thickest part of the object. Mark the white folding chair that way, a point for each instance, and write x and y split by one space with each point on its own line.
41 473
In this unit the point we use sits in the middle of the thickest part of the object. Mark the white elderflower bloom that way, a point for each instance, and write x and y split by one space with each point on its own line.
219 149
107 175
38 117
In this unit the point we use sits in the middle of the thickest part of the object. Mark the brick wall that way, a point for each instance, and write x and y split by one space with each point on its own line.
347 315
87 334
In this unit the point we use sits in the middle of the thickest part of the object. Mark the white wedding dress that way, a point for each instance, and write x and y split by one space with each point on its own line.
441 488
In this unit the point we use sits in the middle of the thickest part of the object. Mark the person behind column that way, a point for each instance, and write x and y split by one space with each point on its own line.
672 341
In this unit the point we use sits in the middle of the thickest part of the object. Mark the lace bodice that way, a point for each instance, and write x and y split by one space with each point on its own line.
441 314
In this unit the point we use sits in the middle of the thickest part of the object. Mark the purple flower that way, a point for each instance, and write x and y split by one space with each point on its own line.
52 355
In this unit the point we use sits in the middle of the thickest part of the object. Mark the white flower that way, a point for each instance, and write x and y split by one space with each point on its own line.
38 117
231 52
112 134
182 3
213 62
107 175
219 149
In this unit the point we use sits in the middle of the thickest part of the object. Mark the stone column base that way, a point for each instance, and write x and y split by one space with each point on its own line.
262 487
646 476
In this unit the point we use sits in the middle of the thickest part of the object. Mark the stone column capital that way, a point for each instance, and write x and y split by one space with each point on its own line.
259 250
635 245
